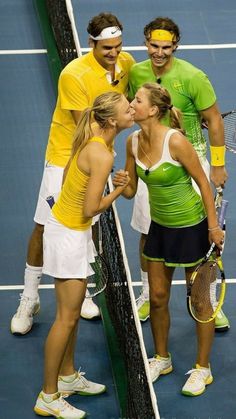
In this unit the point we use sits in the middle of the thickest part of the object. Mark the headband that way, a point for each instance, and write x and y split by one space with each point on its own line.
162 35
110 32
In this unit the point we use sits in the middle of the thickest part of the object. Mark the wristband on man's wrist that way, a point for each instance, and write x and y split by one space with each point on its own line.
217 155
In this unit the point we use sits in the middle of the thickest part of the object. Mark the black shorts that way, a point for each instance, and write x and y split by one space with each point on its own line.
184 246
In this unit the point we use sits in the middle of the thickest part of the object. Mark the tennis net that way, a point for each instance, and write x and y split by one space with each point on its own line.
140 400
136 395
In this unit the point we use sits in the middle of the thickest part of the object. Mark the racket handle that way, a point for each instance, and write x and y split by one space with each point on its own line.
219 189
222 212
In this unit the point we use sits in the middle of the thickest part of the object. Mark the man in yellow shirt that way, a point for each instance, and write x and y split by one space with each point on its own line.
104 68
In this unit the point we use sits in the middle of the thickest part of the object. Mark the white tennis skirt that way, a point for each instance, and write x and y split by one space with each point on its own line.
67 253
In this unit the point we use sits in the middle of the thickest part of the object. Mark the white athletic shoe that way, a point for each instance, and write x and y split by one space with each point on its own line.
57 407
22 320
199 378
143 307
80 385
89 309
159 366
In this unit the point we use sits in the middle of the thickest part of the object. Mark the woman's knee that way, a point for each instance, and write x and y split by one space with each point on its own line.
159 299
68 320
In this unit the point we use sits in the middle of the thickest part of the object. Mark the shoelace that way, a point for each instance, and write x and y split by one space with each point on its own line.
65 405
140 300
82 379
155 363
194 374
25 305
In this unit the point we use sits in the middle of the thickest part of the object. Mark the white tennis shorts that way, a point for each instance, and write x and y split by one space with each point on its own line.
67 253
141 219
50 186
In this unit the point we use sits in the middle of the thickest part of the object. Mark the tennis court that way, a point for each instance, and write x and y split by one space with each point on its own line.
27 101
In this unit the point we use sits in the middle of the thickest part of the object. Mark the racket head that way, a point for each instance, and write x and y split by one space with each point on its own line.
206 290
97 282
229 119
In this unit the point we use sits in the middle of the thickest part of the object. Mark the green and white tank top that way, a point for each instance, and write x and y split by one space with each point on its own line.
172 198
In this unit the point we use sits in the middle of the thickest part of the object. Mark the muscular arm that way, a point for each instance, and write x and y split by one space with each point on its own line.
212 116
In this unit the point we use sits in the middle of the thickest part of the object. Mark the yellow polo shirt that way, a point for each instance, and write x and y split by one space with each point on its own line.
80 82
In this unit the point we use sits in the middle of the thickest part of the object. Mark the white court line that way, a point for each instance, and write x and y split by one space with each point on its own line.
22 51
125 48
134 283
208 46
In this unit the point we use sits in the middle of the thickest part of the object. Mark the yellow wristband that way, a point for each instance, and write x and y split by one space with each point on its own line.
217 155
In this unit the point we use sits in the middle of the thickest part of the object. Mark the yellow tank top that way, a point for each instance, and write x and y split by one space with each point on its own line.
68 209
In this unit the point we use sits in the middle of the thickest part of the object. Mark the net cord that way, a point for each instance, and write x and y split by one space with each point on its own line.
134 307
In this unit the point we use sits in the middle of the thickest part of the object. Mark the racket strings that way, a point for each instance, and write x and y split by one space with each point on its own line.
230 130
98 280
205 291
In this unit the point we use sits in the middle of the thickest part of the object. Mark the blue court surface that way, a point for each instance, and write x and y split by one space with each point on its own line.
27 101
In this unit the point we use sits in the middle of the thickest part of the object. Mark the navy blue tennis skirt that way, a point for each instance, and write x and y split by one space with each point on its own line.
185 246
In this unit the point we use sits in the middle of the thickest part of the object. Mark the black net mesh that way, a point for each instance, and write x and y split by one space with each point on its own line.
62 31
118 300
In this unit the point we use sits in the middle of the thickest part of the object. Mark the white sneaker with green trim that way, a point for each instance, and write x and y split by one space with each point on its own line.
221 322
159 366
57 407
143 307
199 378
80 385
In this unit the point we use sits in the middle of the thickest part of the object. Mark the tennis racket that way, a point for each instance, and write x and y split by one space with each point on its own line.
206 288
97 282
230 130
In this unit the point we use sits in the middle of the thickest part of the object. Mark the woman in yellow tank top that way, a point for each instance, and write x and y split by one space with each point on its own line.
68 246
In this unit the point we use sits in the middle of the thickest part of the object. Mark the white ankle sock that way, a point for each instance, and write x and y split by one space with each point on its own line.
145 286
33 276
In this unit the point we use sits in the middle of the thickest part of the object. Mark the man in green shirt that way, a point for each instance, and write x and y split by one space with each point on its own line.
191 92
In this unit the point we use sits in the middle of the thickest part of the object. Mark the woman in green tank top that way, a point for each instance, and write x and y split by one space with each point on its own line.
183 223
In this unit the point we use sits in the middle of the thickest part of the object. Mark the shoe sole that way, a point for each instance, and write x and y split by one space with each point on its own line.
24 333
198 393
43 413
144 319
91 318
222 329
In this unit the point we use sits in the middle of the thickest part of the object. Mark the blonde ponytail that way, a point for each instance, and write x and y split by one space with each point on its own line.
104 107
